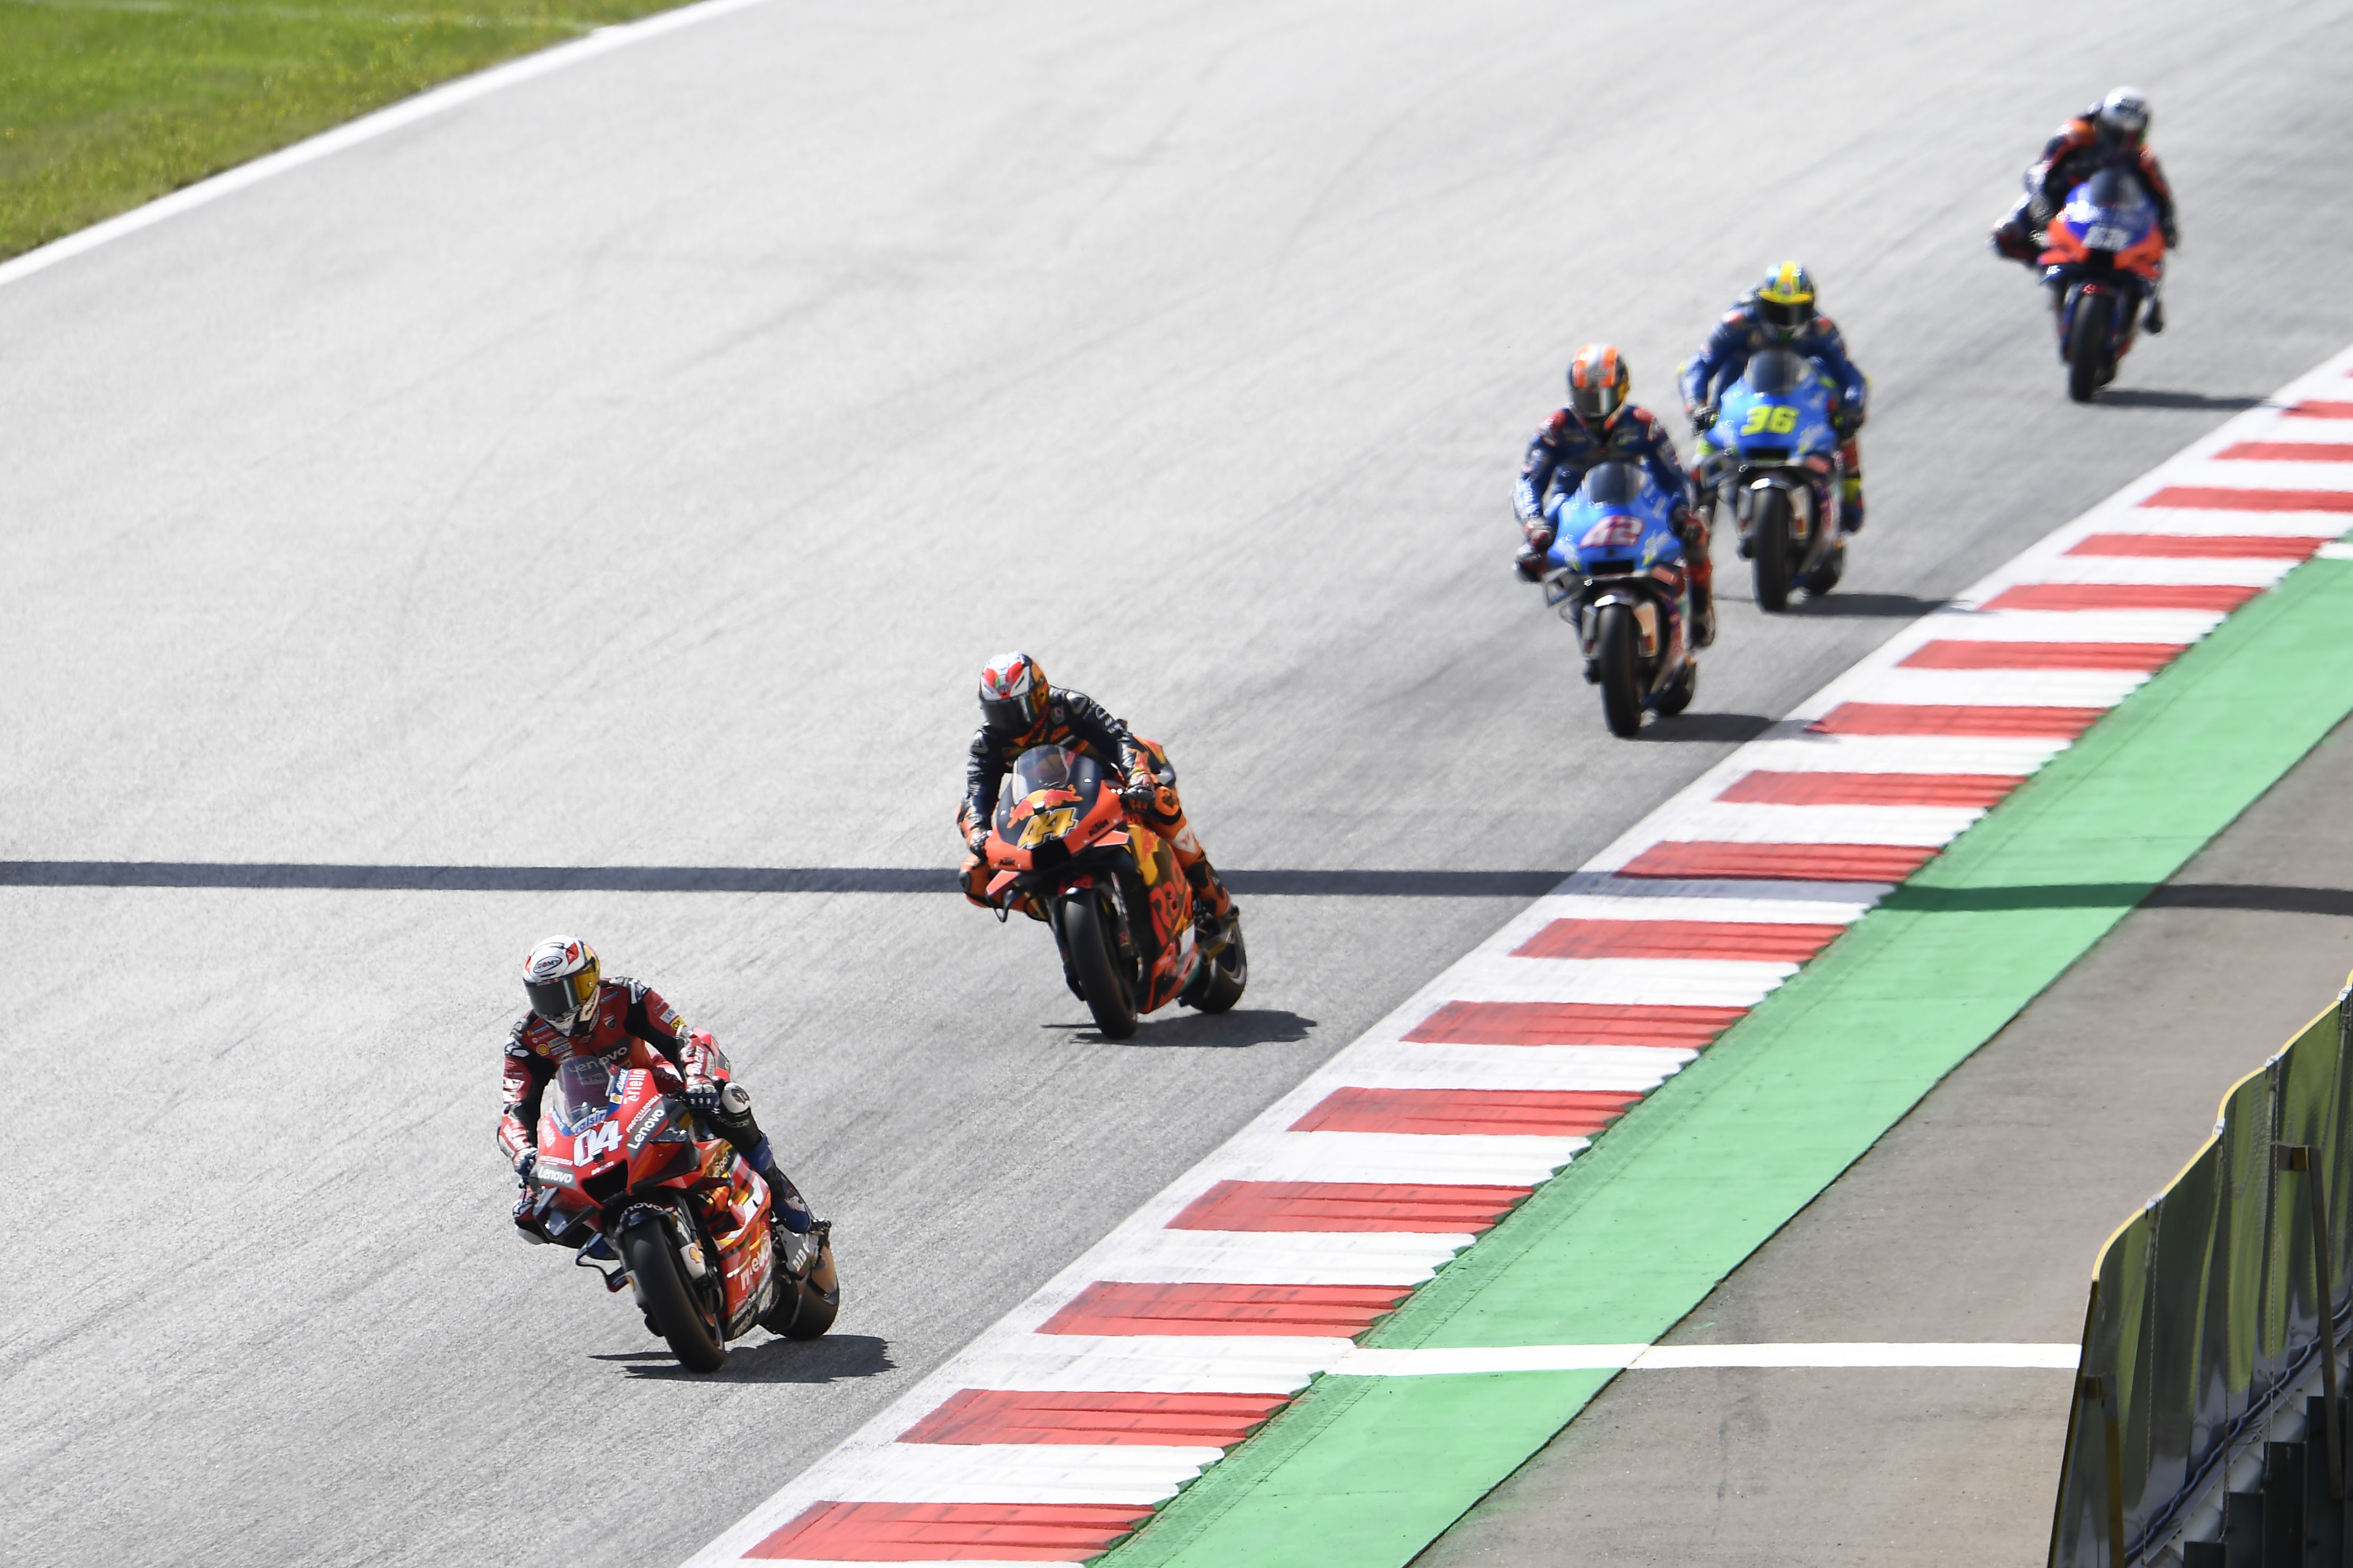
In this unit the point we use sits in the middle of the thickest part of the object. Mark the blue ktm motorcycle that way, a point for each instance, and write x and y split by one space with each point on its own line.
1616 572
1773 455
2102 260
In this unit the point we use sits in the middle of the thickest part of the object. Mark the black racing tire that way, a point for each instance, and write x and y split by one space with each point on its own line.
1095 963
2087 347
1613 663
1229 973
1680 691
675 1307
806 1308
1769 538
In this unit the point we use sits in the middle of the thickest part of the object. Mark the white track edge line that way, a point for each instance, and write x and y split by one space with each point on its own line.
406 112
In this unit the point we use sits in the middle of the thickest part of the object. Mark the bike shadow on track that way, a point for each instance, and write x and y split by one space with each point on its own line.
1241 1028
833 1358
1717 727
2152 397
1856 606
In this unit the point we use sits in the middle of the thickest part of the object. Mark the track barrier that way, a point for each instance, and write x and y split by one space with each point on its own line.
2208 1428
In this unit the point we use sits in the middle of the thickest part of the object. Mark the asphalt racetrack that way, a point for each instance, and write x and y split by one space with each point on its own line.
633 469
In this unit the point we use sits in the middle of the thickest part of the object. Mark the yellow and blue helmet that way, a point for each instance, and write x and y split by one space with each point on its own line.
1784 301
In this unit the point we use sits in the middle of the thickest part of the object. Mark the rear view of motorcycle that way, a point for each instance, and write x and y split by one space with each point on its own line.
1773 454
627 1175
1617 574
1063 849
2102 260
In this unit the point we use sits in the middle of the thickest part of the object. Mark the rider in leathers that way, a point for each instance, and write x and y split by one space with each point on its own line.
1780 313
1019 709
1600 426
2111 134
576 1012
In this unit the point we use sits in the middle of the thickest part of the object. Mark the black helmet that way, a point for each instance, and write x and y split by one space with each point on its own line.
1598 383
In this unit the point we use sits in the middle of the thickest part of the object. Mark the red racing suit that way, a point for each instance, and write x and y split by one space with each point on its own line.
635 1028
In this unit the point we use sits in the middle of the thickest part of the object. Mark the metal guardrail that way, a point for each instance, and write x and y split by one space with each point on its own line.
2210 1310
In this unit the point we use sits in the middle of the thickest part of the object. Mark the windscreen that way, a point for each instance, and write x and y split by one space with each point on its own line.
2114 188
581 1096
1776 373
1052 767
1612 484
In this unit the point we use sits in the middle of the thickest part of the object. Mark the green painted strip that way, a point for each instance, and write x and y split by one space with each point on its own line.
1363 1473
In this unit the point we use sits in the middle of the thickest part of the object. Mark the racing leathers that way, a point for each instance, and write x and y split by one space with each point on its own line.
634 1027
2073 155
1740 334
1560 454
1078 723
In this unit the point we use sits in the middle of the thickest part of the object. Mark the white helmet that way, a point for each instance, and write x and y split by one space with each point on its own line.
560 976
2123 116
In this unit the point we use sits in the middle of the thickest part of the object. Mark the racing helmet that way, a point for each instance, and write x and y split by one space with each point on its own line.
2122 118
561 976
1784 301
1599 383
1012 695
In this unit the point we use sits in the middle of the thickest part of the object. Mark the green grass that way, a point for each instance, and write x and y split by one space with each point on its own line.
105 104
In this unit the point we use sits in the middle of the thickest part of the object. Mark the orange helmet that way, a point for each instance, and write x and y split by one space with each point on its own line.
1598 383
1012 695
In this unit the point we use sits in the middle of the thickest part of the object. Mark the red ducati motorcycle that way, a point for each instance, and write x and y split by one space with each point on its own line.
627 1175
1064 850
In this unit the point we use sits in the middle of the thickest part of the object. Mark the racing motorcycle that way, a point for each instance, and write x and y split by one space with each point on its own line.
1618 576
2104 255
1063 849
1773 453
628 1175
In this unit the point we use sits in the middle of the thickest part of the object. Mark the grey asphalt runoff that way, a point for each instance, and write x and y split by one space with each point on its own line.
1977 1218
634 467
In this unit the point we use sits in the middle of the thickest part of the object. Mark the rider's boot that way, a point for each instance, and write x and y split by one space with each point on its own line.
1213 908
798 1234
1703 592
1851 486
2156 320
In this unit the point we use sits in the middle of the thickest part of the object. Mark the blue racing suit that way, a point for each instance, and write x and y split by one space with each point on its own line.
1560 455
1738 335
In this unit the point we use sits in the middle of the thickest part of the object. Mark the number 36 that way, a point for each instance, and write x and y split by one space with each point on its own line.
1774 421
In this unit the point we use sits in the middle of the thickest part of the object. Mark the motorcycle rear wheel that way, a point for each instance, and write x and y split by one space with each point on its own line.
1094 962
1768 540
806 1306
1222 977
1613 661
675 1307
2087 347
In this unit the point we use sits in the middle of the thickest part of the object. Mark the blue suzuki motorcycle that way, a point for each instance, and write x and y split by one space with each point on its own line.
1773 454
1616 572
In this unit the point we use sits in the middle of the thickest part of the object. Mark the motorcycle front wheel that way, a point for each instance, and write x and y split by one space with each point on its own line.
1095 965
677 1309
2088 346
1613 663
1769 541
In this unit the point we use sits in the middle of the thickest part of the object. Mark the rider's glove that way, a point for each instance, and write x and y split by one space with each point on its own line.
523 1163
1139 793
1530 564
701 1096
1703 415
978 839
2172 232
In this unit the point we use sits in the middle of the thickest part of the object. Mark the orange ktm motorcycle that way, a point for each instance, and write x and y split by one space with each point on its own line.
1063 849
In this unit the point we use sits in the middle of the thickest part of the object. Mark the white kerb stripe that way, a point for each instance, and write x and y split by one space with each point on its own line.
1671 1358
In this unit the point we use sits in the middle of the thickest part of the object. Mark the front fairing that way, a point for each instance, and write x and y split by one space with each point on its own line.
1754 428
